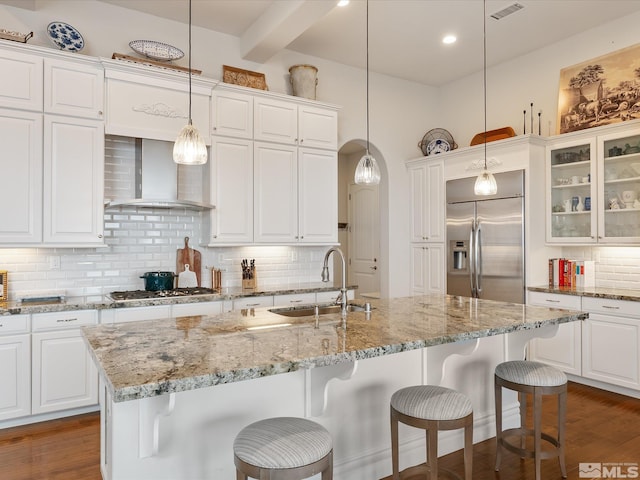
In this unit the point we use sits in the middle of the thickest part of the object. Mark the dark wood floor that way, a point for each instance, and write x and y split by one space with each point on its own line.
601 427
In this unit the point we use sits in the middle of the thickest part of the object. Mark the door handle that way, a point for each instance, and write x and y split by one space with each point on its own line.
478 258
471 260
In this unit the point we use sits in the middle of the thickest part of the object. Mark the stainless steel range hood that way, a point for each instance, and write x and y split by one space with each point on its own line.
156 179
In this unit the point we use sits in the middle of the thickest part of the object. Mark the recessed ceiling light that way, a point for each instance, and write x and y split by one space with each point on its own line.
449 39
343 3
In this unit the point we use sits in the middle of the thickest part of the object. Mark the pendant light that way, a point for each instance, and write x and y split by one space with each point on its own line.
367 171
486 182
189 148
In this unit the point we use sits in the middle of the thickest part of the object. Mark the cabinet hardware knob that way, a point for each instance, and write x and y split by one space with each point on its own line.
610 307
215 236
553 301
100 235
373 268
100 113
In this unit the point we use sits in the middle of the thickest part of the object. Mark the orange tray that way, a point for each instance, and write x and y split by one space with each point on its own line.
493 135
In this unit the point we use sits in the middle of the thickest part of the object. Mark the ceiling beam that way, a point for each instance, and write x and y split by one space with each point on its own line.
280 24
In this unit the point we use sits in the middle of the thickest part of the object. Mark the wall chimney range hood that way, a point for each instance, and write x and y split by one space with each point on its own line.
156 179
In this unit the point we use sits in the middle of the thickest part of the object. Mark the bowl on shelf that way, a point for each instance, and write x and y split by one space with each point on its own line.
636 168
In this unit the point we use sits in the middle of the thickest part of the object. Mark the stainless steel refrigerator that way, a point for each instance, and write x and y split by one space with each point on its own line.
485 239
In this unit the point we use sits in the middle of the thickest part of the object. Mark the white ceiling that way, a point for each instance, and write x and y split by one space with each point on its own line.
405 35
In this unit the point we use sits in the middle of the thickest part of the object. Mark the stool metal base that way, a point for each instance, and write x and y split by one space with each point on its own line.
244 470
432 427
538 435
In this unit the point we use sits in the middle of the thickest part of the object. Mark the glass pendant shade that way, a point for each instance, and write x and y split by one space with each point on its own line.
189 148
485 184
367 171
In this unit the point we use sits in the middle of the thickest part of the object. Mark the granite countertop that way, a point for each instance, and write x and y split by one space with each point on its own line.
105 302
595 292
155 357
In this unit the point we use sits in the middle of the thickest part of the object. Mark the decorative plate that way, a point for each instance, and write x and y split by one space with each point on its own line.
436 134
65 36
438 146
156 50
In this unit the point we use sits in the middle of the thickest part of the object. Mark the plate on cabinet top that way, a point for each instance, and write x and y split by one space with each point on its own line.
433 135
156 50
438 146
65 36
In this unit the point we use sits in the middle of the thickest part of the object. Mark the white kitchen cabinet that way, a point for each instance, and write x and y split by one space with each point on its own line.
232 114
564 350
134 314
231 170
74 88
64 375
15 374
295 195
427 201
73 181
304 125
253 302
21 191
21 80
327 297
611 342
196 308
427 268
291 300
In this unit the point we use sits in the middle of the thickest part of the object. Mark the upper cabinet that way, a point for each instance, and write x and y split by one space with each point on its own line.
593 186
21 80
73 89
427 201
232 114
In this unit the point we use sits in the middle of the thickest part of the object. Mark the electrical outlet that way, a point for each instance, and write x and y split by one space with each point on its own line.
54 262
294 255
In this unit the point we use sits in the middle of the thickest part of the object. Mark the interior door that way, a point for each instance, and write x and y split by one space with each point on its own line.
364 241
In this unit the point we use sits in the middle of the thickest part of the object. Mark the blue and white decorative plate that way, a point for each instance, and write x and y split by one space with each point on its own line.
65 36
156 50
438 146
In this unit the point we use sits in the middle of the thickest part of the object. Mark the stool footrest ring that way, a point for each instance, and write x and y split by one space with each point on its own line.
523 452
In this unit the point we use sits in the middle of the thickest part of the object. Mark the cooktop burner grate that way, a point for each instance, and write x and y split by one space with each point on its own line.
176 292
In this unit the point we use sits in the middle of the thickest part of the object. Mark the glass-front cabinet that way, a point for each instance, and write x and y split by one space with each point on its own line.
593 186
571 197
619 188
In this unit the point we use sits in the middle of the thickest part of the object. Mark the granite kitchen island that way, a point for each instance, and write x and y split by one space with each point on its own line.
175 392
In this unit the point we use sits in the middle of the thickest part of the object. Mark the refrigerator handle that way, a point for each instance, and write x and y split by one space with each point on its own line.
471 259
478 259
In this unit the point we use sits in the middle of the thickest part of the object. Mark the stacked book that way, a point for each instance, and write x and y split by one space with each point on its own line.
564 272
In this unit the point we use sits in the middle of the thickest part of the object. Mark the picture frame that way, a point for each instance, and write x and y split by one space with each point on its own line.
601 91
4 286
244 78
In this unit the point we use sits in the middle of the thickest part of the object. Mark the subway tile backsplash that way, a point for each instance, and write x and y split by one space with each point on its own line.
140 240
616 267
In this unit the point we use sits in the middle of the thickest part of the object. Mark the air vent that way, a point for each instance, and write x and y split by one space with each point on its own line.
507 11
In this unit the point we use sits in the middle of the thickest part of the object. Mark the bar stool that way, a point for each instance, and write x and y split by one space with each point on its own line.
283 448
538 379
431 408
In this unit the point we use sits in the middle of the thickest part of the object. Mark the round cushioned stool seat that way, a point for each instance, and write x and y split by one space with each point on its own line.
431 402
527 372
282 442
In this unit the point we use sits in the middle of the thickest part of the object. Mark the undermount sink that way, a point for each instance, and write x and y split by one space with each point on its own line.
310 310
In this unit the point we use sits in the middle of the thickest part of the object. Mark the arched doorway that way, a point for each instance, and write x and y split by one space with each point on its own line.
360 228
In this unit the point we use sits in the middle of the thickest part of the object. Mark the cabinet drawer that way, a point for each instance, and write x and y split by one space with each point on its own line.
253 302
294 299
199 308
326 297
117 315
64 320
12 324
556 300
611 307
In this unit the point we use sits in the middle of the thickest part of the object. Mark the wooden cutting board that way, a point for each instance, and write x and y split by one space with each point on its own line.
190 256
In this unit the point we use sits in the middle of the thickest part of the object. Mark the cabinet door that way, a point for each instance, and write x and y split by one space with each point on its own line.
73 88
294 299
64 375
73 180
619 188
21 190
21 81
15 375
610 350
232 114
275 203
317 127
317 196
231 191
253 302
427 202
275 121
572 200
427 269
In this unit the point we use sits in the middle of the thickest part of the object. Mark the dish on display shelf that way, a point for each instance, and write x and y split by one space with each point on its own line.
65 37
433 135
156 50
438 146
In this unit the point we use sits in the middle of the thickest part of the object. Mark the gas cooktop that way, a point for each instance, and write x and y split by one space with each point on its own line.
176 292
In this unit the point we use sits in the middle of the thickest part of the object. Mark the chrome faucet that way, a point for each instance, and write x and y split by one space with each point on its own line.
325 277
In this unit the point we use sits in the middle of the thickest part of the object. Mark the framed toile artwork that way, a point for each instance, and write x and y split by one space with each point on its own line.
602 91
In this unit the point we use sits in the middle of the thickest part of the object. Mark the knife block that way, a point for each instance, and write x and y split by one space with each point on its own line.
251 282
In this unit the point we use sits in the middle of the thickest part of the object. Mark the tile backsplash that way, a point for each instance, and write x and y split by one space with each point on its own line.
139 240
616 267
